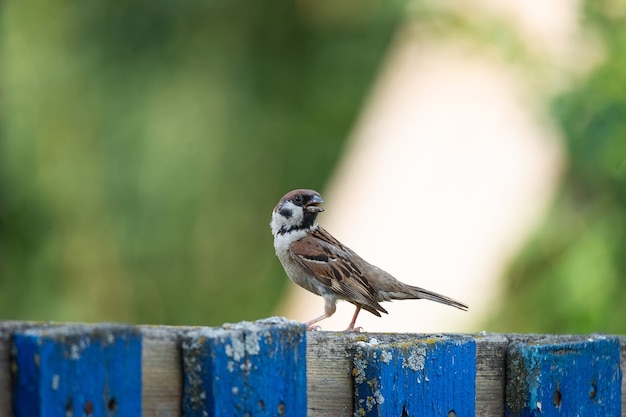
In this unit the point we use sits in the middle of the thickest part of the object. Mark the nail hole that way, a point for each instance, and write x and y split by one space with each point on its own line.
88 408
69 408
451 413
557 398
404 412
593 390
281 408
261 405
112 405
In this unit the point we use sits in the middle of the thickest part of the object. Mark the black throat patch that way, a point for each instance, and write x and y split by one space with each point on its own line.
307 222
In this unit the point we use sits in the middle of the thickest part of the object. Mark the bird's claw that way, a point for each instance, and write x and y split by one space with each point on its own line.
354 329
313 328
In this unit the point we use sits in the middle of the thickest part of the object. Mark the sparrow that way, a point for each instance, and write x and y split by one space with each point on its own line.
316 261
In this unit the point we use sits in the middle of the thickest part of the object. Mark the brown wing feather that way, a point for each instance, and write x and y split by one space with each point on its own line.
329 261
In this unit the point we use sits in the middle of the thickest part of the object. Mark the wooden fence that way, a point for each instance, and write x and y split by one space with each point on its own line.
274 367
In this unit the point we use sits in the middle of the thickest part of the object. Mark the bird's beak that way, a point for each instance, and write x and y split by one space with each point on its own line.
313 205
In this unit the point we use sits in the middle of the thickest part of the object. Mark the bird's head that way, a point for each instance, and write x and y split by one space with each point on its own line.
297 210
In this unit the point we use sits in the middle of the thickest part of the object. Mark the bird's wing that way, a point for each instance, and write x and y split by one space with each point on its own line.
333 265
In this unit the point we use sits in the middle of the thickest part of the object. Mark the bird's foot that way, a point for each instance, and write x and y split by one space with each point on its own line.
313 328
353 329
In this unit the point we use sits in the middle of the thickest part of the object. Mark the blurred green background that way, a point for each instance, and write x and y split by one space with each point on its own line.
571 277
143 145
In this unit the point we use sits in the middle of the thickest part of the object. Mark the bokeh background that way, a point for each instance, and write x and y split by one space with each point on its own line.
144 144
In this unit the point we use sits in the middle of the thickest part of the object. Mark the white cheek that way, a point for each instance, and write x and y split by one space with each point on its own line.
279 220
274 224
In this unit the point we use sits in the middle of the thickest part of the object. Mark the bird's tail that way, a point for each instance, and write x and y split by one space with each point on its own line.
410 292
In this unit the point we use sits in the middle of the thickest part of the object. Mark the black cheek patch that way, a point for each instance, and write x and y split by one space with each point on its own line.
285 212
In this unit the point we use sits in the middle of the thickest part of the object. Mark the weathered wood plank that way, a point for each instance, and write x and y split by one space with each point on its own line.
7 329
162 373
329 373
245 369
490 374
93 370
557 376
425 376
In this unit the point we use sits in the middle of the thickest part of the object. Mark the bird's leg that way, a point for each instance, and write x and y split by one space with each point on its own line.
330 305
310 325
351 327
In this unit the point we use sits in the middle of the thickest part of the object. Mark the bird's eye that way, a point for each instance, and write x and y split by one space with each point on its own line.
298 199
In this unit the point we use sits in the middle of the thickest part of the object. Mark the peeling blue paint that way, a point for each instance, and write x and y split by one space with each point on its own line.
77 371
434 376
246 369
557 377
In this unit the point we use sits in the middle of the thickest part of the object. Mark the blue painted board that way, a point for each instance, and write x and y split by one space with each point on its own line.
246 369
7 329
77 370
434 376
564 376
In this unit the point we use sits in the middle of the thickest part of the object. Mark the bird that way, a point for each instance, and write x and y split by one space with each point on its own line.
313 259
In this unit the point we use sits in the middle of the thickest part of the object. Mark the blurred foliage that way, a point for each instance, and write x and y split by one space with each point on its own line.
145 143
572 277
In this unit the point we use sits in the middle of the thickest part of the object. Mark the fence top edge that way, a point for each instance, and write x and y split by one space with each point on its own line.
8 327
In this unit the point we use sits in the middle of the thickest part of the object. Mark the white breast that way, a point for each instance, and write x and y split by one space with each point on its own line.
294 271
282 242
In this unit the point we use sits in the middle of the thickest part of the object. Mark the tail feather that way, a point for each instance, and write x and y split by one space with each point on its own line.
389 288
413 293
